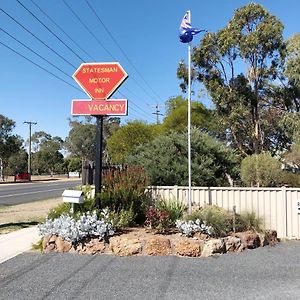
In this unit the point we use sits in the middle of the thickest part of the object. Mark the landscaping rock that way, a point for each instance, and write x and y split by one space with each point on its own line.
234 244
158 246
213 246
94 245
125 246
49 243
46 241
250 239
62 245
272 237
190 248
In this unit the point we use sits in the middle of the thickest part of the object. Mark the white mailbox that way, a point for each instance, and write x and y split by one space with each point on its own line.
72 196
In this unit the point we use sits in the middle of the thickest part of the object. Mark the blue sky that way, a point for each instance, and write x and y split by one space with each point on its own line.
146 31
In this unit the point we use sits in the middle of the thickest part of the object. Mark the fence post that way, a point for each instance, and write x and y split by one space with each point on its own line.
284 199
176 193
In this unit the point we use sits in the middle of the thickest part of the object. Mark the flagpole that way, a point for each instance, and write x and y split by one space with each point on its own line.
189 124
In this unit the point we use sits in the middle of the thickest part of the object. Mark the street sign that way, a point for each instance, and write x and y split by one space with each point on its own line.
111 107
100 80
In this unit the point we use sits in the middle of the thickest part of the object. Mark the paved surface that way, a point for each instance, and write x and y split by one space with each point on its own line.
264 273
16 242
12 194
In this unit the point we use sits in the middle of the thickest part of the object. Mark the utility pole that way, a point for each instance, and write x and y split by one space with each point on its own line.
157 113
29 147
1 170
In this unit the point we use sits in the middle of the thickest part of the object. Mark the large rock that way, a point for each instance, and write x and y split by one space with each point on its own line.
62 245
125 246
213 246
90 246
188 247
272 237
250 239
49 243
234 244
158 246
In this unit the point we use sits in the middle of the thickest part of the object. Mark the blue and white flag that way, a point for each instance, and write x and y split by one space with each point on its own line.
186 31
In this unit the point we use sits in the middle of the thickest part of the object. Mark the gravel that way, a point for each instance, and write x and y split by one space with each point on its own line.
263 273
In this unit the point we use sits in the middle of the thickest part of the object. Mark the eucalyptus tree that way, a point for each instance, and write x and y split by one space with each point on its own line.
238 64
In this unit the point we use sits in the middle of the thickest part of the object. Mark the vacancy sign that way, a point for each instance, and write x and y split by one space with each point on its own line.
100 80
111 107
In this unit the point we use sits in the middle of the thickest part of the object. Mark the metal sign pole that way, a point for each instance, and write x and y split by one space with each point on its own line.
98 167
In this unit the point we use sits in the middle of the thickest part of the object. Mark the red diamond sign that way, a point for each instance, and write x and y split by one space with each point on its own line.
100 80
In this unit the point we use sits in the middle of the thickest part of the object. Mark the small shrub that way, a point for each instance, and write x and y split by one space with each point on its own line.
216 217
125 189
248 221
122 219
158 219
73 230
174 209
60 209
189 228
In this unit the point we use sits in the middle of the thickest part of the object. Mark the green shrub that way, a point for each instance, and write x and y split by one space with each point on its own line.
56 212
124 190
174 209
122 219
261 170
248 221
214 216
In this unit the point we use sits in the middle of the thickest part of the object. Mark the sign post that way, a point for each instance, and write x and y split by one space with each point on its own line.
99 81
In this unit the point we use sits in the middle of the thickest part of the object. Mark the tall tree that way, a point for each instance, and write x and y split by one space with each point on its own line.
9 143
125 140
81 139
47 157
177 115
237 64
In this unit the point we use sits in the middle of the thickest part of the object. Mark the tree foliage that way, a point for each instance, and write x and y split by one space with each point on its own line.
261 170
128 137
237 65
10 144
177 115
81 141
165 160
48 158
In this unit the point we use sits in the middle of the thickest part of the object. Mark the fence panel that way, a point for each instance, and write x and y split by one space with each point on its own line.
276 206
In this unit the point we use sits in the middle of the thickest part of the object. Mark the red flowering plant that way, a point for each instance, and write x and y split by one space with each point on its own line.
157 219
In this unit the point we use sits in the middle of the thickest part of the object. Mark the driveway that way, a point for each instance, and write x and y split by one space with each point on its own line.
263 273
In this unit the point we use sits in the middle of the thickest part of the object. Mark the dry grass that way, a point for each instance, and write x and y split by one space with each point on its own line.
24 215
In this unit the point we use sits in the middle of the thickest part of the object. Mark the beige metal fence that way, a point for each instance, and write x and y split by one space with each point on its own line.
278 207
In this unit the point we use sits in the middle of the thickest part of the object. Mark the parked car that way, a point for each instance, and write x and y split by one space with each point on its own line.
22 176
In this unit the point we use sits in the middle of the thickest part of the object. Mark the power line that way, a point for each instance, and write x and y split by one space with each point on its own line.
49 62
49 72
29 11
83 24
120 48
27 30
61 29
135 106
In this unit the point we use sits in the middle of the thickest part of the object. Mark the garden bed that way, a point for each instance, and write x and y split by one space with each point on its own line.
142 241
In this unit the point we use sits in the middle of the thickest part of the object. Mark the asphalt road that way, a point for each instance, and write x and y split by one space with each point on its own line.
11 194
264 273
